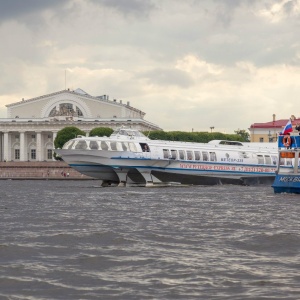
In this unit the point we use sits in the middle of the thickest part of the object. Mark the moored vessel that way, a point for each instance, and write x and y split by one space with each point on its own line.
287 179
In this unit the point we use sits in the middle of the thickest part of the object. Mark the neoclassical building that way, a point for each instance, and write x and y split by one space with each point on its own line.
28 132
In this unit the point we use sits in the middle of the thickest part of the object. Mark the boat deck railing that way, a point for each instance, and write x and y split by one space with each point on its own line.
295 142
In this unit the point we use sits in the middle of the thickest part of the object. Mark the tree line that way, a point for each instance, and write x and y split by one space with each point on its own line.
68 133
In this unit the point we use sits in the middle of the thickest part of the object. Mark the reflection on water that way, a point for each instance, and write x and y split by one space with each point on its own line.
75 240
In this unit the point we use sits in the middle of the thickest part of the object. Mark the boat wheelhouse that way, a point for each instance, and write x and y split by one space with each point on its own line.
287 179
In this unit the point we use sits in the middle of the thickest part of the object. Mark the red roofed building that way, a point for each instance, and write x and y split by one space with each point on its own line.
269 131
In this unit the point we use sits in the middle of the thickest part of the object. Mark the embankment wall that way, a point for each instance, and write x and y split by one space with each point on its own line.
38 170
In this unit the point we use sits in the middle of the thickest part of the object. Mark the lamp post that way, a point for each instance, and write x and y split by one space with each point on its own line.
269 135
211 128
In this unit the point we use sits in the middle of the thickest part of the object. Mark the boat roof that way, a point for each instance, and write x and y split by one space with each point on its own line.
128 133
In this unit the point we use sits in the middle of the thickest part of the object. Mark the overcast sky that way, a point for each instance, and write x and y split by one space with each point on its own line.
189 64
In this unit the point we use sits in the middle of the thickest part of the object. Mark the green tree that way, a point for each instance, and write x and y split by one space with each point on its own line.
196 137
244 134
101 131
66 134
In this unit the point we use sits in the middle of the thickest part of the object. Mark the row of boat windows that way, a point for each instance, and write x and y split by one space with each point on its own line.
189 155
212 156
100 145
195 155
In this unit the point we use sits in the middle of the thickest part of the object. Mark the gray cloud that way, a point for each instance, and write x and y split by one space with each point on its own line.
167 77
136 7
181 57
15 8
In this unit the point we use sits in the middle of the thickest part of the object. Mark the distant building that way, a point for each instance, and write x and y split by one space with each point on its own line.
28 132
269 131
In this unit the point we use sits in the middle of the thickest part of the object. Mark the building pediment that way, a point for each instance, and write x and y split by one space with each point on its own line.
72 103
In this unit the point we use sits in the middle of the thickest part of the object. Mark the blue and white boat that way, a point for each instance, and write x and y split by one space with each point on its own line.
287 179
128 157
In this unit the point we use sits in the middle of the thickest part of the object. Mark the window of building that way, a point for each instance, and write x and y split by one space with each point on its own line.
33 153
66 109
53 112
79 112
17 153
49 154
33 136
261 140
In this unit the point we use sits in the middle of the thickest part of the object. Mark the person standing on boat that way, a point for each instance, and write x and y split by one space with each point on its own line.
298 127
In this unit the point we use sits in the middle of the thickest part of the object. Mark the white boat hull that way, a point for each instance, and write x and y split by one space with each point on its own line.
131 159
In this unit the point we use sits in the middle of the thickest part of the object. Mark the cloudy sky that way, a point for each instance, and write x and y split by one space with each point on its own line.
189 64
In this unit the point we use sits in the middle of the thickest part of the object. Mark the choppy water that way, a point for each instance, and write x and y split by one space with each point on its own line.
74 240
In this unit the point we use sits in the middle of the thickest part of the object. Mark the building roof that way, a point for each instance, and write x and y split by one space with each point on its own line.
79 92
275 124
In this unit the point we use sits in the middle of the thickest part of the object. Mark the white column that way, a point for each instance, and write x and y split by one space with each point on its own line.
39 146
54 137
23 151
5 146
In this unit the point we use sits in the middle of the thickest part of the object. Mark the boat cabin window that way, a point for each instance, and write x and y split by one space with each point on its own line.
260 159
281 161
205 156
197 155
119 146
113 146
81 145
231 143
268 160
125 146
122 132
132 147
145 147
69 144
274 160
104 145
181 154
189 155
166 153
213 156
94 145
173 154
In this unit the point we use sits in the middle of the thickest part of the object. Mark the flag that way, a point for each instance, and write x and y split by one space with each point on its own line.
288 128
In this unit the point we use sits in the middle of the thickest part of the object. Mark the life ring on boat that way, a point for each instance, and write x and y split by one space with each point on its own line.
287 141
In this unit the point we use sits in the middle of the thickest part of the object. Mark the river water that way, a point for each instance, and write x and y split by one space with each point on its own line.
76 240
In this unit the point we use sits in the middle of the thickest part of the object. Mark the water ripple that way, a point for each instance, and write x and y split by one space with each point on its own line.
75 240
